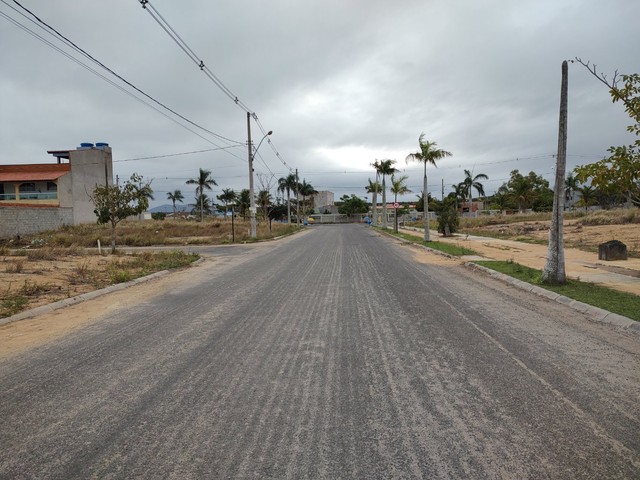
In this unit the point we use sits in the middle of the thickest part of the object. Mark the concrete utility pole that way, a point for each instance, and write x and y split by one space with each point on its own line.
297 200
554 270
252 200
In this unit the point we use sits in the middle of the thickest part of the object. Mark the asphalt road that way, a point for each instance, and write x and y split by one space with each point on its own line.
333 354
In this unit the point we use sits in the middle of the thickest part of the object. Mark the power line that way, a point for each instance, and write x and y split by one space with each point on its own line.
197 60
49 29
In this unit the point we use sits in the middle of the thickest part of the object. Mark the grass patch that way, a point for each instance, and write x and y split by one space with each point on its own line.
444 247
622 303
12 305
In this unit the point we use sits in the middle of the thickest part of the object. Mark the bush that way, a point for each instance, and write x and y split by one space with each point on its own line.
448 220
158 215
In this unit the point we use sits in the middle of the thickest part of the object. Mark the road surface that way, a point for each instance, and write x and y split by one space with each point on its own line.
338 353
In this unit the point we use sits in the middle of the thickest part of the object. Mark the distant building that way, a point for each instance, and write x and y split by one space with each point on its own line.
38 197
323 201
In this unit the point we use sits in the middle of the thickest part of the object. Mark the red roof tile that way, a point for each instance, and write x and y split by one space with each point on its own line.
33 172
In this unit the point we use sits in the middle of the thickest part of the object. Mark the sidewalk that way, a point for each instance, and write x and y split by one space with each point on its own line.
623 275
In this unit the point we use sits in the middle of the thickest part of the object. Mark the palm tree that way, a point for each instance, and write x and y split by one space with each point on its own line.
202 205
203 182
588 196
244 202
306 190
287 184
374 188
376 167
571 184
398 187
469 183
429 153
264 202
385 167
228 197
175 196
458 193
522 192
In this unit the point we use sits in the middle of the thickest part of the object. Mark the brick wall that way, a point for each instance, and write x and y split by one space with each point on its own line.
20 220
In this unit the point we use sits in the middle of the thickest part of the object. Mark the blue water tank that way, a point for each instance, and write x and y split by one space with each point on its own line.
101 144
86 145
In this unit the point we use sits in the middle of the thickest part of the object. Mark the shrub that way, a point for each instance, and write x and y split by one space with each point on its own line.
158 215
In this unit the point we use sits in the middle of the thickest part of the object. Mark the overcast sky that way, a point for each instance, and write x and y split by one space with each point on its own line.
340 82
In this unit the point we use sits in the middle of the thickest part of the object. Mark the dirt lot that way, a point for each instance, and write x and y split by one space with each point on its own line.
576 235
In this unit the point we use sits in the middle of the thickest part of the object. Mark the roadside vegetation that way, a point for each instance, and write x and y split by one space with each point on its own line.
151 232
448 248
622 303
44 275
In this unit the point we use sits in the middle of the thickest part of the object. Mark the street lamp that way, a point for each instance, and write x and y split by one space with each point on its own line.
252 201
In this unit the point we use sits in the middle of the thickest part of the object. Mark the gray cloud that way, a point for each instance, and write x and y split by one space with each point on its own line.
340 83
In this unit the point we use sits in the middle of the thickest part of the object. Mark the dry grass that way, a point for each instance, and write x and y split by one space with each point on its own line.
147 233
24 283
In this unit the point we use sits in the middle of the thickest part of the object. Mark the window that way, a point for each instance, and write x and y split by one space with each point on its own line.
52 187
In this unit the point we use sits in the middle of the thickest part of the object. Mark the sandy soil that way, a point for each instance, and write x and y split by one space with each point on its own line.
19 336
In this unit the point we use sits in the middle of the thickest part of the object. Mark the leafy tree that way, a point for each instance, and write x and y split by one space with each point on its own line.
227 197
531 191
352 205
620 173
203 182
384 168
448 219
501 198
175 196
114 203
470 183
398 187
288 184
428 153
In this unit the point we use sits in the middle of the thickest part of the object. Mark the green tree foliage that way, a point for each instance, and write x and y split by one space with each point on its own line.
306 190
620 172
471 183
398 187
531 191
448 219
352 205
228 197
288 184
428 153
203 182
244 202
202 206
175 196
114 203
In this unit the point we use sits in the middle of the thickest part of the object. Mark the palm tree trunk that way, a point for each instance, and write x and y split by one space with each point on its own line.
384 202
374 208
425 201
288 206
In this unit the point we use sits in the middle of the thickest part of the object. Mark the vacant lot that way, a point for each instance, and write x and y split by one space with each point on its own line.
583 231
40 276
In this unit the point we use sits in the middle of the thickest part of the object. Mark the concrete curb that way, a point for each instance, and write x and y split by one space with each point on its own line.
595 314
66 302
